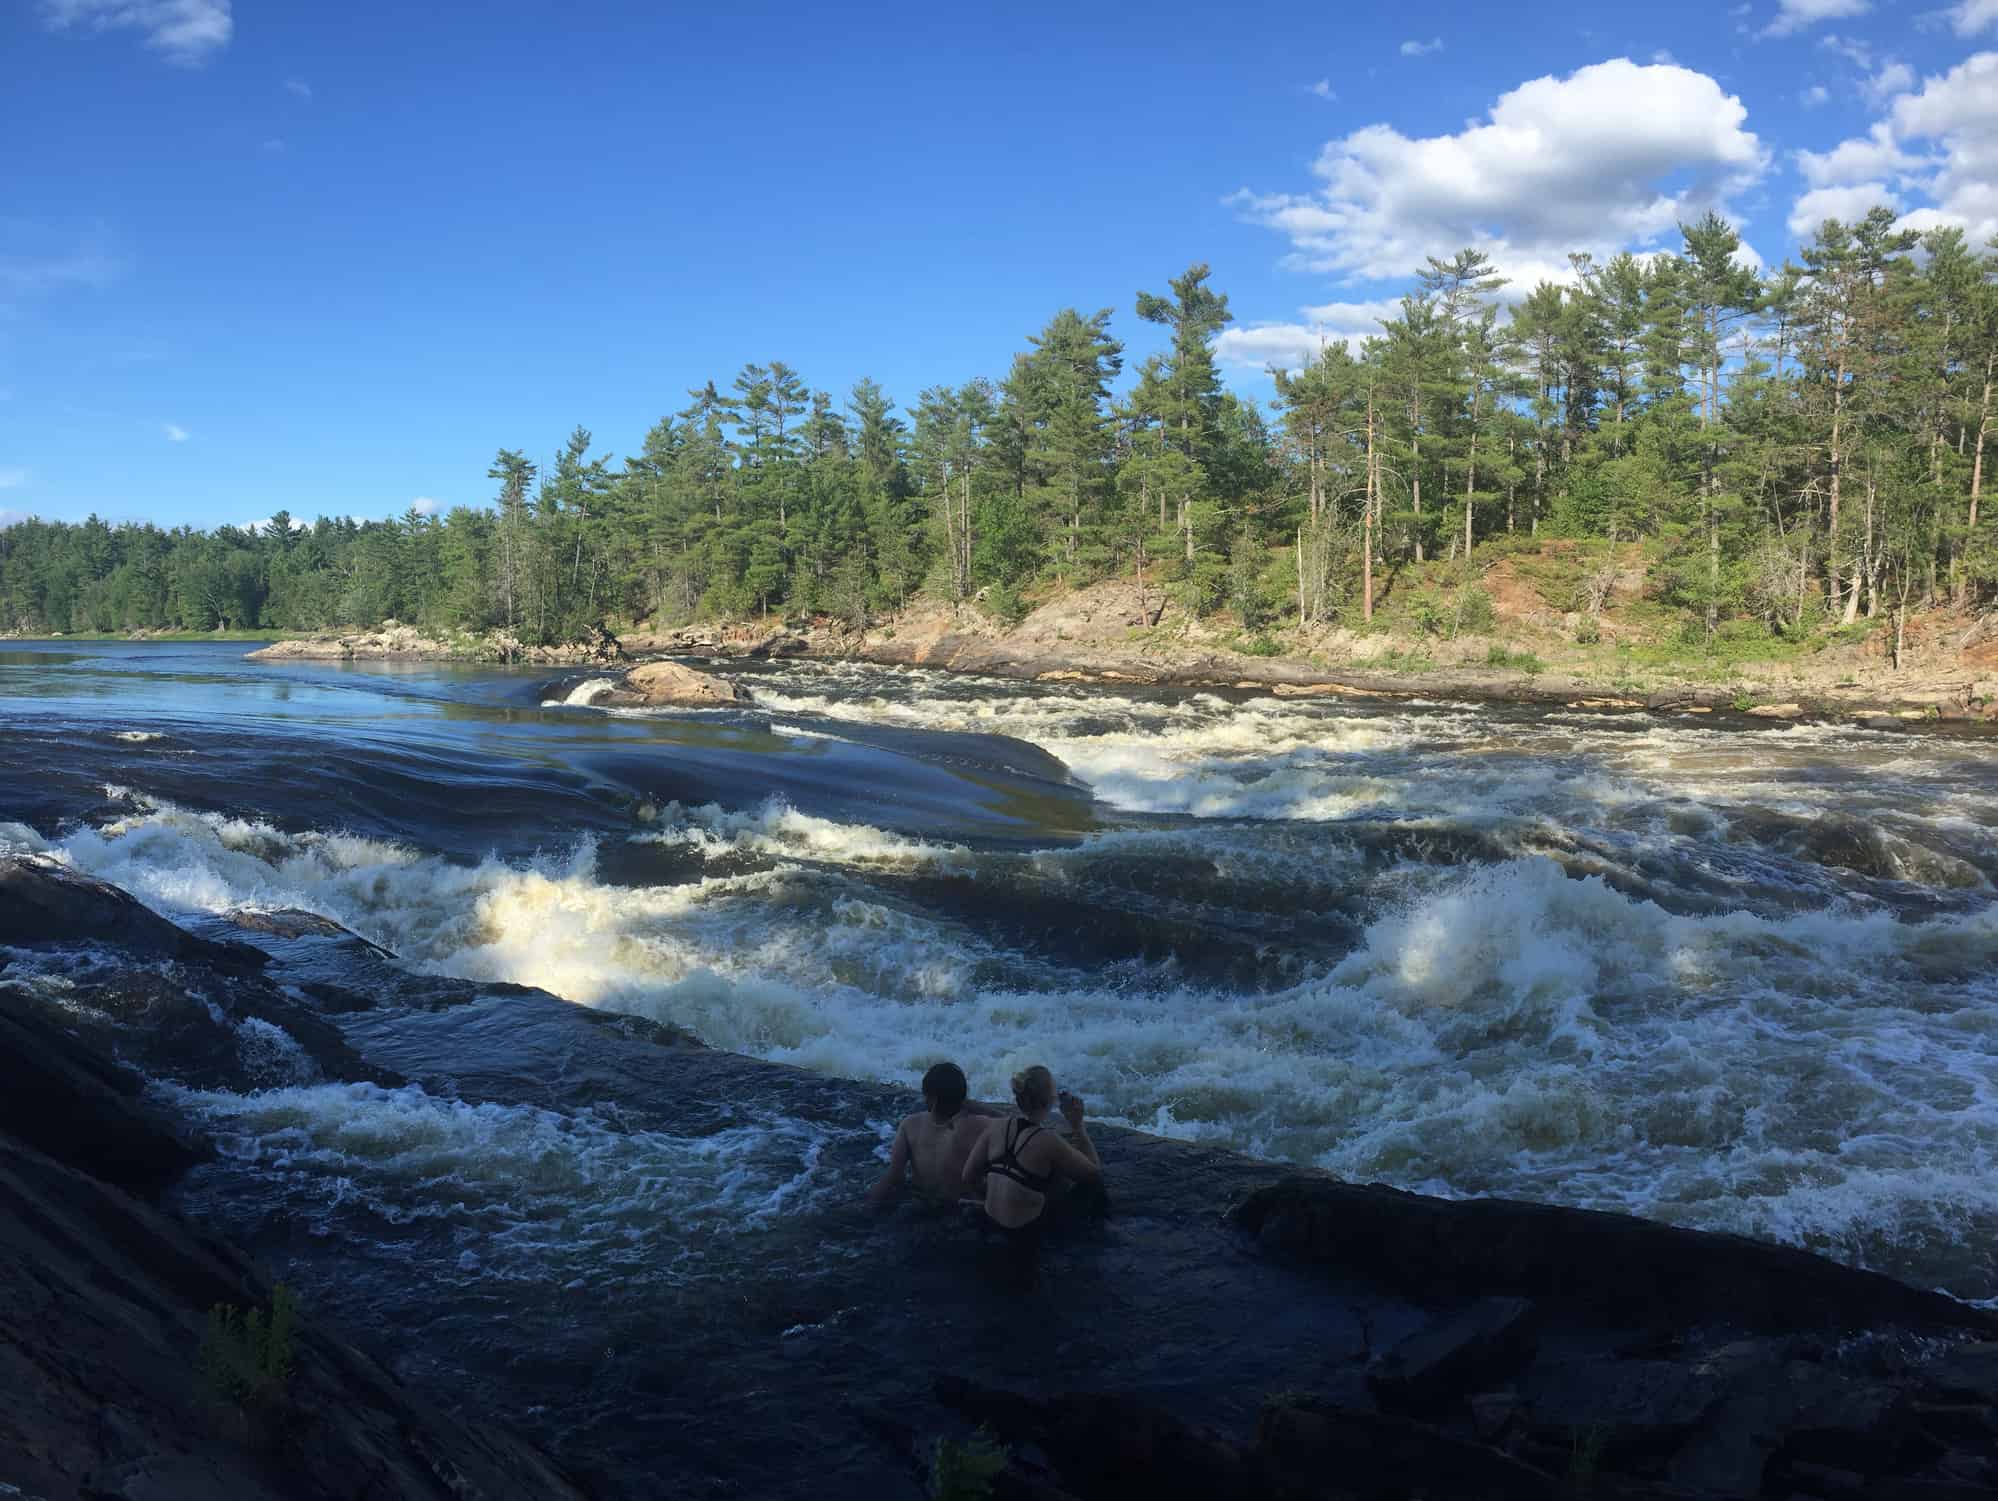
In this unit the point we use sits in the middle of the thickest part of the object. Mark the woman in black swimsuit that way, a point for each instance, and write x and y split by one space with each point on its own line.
1020 1159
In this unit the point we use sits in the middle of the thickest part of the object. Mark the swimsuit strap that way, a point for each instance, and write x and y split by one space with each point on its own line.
1007 1164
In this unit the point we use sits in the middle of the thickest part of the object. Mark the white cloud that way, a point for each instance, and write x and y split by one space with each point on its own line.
185 32
1847 203
1893 78
175 433
1793 16
1813 96
1288 346
13 479
1323 89
1871 157
1610 158
1664 55
1852 49
1940 143
299 87
1973 16
423 505
263 524
1422 49
36 259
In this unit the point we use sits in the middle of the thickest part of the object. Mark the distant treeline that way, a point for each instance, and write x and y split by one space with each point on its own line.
1805 444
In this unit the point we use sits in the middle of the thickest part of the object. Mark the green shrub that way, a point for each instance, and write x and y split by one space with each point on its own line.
1525 661
246 1357
965 1471
1587 631
1003 603
1475 613
1258 646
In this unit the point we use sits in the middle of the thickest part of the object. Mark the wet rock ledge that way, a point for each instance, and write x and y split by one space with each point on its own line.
107 1297
1498 1349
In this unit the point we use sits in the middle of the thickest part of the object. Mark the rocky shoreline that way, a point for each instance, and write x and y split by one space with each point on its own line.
1088 638
1483 1348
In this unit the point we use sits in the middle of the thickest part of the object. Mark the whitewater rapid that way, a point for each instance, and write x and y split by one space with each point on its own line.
1740 979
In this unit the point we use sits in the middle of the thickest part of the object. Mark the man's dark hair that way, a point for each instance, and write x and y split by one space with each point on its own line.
945 1089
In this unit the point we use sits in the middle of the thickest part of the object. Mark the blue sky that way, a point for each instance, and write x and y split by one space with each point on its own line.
329 258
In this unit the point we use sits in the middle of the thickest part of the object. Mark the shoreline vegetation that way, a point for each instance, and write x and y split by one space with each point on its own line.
1667 471
1095 636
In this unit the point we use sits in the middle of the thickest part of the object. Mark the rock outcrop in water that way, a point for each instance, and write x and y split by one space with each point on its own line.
673 685
107 1297
394 642
1237 1331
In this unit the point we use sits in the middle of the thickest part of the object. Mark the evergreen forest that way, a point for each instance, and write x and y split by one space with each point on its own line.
1792 450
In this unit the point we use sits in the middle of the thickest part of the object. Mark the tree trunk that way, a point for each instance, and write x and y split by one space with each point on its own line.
1367 520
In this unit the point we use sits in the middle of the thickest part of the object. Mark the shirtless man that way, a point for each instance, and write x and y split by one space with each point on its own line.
936 1140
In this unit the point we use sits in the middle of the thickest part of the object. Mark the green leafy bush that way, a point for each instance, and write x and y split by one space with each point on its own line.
1258 646
246 1356
965 1471
1475 613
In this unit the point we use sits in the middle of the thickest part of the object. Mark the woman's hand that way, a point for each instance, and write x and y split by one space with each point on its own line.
1071 1109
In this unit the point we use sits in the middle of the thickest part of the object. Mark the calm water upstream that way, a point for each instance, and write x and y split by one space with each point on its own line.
1729 975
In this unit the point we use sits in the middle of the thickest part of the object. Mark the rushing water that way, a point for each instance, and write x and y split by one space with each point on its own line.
1720 973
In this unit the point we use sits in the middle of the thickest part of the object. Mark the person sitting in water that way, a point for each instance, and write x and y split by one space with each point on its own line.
1020 1162
935 1140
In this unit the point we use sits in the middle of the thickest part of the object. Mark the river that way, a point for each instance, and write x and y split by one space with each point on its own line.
1718 972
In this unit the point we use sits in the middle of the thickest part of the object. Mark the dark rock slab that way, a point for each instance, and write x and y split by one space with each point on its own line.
1616 1268
43 901
1469 1351
101 1331
62 1097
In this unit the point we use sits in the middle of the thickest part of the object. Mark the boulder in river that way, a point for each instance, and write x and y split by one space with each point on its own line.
674 685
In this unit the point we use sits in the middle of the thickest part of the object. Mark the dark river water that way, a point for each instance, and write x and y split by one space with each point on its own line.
1721 973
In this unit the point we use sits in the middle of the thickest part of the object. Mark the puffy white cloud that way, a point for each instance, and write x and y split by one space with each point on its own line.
1940 142
1894 78
1871 157
1813 96
1422 49
175 433
1973 16
1849 47
1323 89
1793 16
13 479
1611 157
185 32
423 505
1847 203
1289 346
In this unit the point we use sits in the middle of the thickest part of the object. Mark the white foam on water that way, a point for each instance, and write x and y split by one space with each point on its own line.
271 1056
1499 1029
139 737
546 1196
19 838
582 695
776 828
